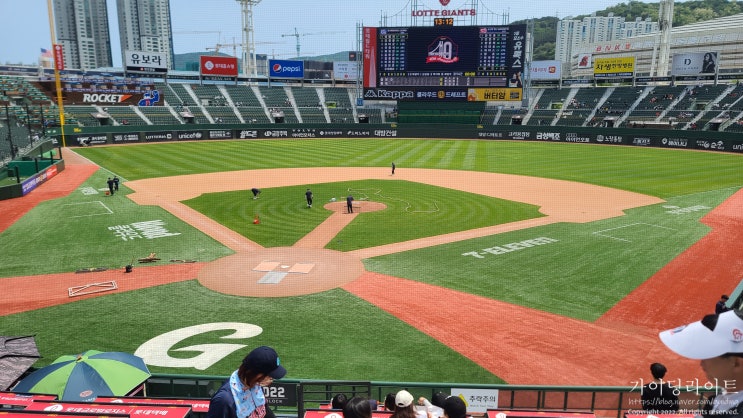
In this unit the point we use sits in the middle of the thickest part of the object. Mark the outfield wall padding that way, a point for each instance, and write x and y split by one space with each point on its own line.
641 137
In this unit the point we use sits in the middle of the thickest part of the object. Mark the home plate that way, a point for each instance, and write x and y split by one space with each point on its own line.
272 277
266 266
302 268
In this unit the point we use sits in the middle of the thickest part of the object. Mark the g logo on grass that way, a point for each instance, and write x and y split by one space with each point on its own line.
155 351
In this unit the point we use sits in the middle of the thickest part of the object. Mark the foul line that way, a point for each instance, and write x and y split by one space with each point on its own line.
110 212
600 233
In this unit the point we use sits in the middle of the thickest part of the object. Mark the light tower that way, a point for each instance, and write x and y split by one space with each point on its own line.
248 52
665 23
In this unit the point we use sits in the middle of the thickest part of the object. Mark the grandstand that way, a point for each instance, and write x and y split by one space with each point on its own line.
690 106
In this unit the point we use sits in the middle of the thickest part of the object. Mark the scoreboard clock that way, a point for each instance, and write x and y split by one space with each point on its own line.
443 21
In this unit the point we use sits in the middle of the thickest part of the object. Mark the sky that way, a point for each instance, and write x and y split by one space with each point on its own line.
324 26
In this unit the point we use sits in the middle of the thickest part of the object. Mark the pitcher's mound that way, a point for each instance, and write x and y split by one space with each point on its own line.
279 272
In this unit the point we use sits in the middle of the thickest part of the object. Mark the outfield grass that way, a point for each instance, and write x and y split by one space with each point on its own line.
424 210
653 171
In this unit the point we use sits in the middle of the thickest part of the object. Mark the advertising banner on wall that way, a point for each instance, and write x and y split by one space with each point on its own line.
694 63
58 57
218 66
285 69
504 94
546 70
585 61
613 67
145 62
346 70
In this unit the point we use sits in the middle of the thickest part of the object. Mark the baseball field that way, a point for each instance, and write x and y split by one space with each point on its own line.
475 262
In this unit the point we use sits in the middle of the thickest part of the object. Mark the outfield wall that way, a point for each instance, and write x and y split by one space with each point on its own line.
661 138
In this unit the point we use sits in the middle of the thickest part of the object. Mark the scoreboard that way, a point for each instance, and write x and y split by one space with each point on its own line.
444 62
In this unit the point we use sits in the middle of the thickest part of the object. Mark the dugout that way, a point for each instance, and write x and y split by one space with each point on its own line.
460 113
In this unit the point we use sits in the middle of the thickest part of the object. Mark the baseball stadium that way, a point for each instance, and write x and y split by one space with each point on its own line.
391 235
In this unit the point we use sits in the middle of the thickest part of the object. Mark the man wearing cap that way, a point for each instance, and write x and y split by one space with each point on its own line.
241 396
716 340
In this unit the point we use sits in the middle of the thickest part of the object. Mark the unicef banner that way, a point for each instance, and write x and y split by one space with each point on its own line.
286 69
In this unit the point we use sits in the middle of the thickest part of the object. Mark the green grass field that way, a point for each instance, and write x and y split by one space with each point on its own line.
334 335
424 210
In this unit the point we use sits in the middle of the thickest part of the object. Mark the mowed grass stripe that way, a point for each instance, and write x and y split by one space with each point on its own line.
653 171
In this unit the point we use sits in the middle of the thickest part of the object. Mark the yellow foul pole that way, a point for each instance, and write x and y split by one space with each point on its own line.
57 81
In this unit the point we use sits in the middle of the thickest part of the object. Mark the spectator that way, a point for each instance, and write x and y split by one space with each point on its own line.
716 341
404 405
454 407
389 402
658 397
338 401
434 407
241 396
357 407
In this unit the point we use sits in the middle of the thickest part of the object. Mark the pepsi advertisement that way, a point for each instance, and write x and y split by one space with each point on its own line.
286 69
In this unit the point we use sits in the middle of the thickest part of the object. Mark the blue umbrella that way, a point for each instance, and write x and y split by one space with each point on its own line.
85 376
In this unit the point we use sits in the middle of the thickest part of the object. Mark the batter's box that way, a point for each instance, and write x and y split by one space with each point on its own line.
302 268
636 232
272 277
266 266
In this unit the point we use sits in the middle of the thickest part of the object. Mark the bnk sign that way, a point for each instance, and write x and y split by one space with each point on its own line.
286 69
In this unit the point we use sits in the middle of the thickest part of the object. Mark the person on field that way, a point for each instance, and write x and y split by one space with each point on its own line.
110 183
116 183
241 396
349 203
717 341
255 192
308 196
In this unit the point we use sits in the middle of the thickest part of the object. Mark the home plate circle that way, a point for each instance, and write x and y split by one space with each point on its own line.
281 271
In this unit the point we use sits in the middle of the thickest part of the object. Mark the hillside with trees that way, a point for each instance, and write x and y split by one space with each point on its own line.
684 13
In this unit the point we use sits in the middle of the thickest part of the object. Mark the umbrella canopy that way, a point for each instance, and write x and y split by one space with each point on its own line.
17 354
85 376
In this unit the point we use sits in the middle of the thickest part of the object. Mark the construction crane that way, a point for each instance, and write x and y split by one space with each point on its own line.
234 46
298 35
248 54
217 47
